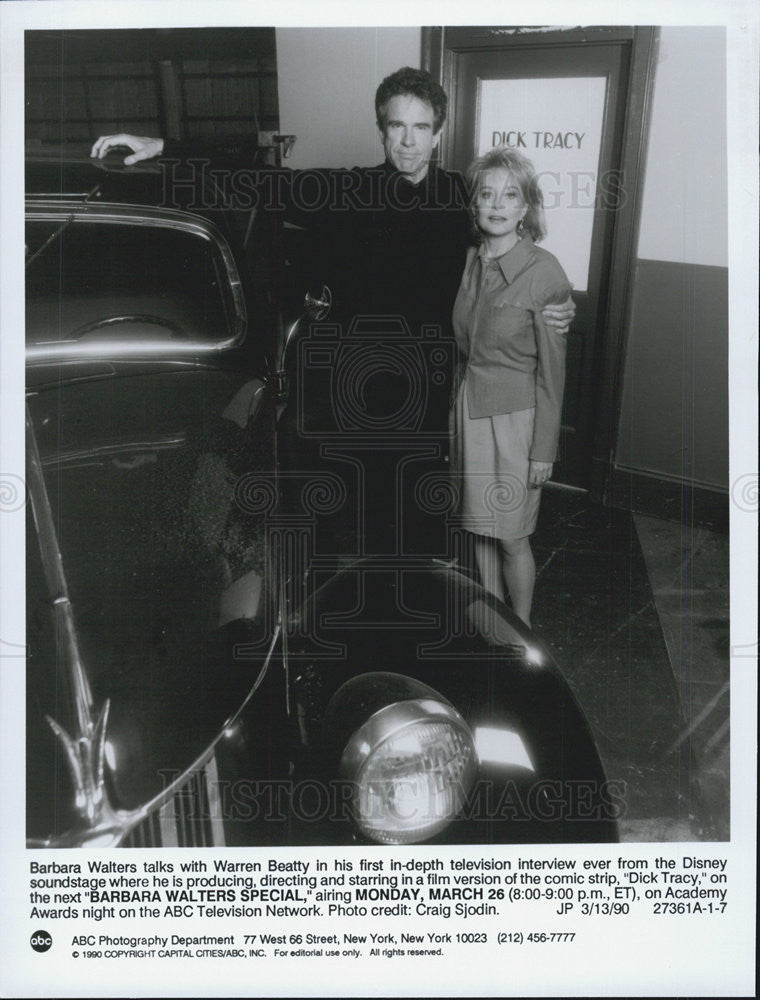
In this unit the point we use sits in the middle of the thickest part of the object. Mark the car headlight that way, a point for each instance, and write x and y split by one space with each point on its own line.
411 762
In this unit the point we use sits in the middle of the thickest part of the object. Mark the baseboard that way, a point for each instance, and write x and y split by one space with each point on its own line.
674 501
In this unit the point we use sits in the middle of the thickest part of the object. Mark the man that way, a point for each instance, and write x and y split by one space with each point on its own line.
391 243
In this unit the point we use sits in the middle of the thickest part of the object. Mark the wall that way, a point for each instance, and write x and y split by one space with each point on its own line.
327 79
674 417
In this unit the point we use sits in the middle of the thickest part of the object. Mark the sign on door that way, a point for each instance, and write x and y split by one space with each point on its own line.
556 123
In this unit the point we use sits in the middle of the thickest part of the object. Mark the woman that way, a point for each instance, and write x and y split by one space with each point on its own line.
506 413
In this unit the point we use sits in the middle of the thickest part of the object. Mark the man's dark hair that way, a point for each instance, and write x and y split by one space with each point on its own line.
417 83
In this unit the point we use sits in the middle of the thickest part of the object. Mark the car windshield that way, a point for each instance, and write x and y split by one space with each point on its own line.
90 279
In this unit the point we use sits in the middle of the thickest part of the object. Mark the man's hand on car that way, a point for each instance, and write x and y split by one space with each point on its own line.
144 147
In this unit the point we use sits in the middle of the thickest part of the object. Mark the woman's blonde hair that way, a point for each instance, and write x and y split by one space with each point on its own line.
524 173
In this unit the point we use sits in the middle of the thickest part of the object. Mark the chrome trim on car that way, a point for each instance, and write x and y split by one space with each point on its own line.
215 803
111 452
85 756
168 826
55 578
191 817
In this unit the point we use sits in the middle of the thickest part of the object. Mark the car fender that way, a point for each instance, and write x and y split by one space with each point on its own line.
430 622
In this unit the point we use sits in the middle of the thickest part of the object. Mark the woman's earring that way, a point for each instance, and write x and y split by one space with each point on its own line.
520 228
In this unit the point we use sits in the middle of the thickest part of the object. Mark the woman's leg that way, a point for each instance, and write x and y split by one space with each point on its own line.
519 574
489 560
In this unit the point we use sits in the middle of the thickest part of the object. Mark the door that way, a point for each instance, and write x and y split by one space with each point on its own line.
564 99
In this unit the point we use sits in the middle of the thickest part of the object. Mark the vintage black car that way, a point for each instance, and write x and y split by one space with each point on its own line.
201 671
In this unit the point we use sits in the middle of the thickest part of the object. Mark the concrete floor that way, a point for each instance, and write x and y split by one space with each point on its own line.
688 573
636 610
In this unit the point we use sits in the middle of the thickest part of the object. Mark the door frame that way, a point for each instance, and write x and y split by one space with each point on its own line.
441 47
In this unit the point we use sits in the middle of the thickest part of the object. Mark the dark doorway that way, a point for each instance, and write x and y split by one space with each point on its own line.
575 101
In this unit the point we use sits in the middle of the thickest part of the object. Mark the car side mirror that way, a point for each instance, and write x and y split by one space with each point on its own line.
320 306
316 308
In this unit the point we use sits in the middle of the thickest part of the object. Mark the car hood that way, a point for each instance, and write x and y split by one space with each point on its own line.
165 570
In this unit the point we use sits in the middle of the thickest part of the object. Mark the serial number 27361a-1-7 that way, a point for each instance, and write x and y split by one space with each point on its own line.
689 907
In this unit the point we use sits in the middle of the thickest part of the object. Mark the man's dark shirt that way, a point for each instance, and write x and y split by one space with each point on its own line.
393 248
392 254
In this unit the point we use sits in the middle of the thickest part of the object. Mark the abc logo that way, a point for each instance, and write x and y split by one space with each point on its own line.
41 941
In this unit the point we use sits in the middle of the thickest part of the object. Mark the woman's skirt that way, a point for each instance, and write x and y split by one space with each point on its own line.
489 465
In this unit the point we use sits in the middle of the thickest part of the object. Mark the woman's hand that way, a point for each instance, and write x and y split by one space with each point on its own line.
559 317
143 147
539 472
